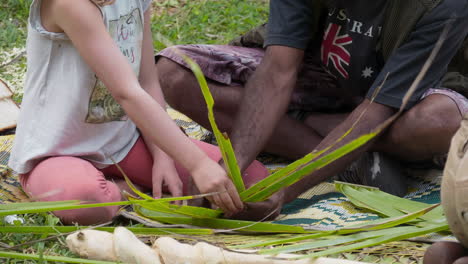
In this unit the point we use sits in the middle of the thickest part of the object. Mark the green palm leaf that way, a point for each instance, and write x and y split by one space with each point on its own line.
225 224
378 224
270 186
333 241
13 255
40 207
51 230
389 237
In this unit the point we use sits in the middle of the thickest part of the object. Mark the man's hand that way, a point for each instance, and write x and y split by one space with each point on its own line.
210 177
165 174
262 211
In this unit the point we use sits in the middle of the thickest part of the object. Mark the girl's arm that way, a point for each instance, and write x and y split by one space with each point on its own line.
82 22
164 171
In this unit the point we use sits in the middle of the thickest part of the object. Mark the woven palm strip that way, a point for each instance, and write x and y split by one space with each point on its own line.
10 190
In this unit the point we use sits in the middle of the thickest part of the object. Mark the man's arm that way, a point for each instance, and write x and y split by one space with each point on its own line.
265 100
373 117
267 93
375 114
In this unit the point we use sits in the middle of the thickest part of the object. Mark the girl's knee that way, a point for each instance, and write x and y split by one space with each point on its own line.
92 216
69 178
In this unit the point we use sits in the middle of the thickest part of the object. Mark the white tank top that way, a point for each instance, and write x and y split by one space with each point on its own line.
66 110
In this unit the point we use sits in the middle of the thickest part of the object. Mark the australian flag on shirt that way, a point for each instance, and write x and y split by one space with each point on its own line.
349 44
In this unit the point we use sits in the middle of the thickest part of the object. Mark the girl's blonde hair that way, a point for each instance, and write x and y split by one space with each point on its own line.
103 2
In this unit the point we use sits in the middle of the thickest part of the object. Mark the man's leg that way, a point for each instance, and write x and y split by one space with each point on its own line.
425 130
420 133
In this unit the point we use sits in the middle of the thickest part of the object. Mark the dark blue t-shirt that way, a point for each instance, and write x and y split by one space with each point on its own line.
350 33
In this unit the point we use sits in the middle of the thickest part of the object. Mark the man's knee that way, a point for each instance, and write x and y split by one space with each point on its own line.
171 77
435 118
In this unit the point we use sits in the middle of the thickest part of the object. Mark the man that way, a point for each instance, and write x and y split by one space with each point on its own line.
322 62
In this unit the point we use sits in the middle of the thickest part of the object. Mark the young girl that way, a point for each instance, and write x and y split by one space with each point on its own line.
92 96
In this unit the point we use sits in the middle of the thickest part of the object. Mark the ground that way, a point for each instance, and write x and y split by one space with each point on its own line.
180 21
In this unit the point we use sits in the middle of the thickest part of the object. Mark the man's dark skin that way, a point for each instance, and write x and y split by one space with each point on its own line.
261 124
446 253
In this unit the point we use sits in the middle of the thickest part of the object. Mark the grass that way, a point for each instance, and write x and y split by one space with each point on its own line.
13 23
51 247
181 21
221 20
13 18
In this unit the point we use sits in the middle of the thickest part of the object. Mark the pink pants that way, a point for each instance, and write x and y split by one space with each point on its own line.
72 178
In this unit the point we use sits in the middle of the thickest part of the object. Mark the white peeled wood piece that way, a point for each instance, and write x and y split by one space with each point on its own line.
129 249
125 247
92 244
173 252
9 111
216 255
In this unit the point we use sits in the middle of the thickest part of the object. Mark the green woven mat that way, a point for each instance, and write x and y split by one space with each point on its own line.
325 208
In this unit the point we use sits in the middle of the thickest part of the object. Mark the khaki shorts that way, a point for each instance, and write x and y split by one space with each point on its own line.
455 184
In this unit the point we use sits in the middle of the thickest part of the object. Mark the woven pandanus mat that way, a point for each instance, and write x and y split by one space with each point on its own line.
10 189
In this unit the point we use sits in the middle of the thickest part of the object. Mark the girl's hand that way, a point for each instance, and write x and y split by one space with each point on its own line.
165 174
210 177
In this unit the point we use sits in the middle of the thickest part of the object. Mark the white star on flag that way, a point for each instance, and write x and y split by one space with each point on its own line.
367 73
